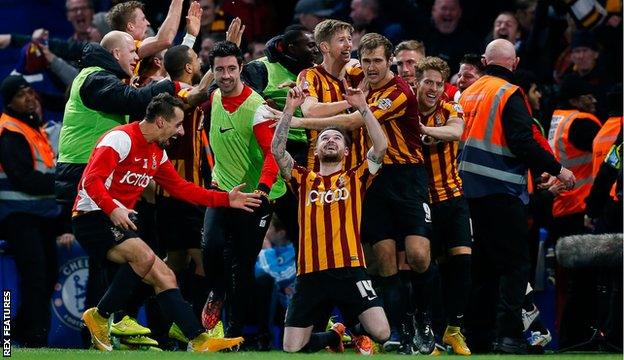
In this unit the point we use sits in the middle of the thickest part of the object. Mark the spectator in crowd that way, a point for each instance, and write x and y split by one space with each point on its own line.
104 219
310 13
588 65
255 50
207 44
497 199
320 268
240 140
367 17
80 15
507 27
214 22
28 210
441 127
444 36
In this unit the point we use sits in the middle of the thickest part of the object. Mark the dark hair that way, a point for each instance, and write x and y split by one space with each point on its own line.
225 49
175 59
162 105
372 41
121 14
524 79
474 60
345 134
293 33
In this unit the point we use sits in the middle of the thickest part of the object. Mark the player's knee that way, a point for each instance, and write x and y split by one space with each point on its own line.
292 348
419 260
143 261
382 333
387 262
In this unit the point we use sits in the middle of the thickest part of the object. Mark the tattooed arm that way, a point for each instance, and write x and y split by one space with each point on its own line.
278 145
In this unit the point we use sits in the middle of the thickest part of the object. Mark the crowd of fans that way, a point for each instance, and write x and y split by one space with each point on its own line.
63 95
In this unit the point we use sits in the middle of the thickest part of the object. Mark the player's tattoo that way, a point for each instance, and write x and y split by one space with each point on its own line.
278 145
364 111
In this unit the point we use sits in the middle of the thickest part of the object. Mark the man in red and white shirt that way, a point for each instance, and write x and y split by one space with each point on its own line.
121 166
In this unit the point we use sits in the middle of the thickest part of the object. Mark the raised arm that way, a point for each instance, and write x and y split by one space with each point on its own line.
165 35
278 145
357 99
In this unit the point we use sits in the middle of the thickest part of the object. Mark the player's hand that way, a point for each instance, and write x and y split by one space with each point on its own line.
65 240
354 96
567 178
235 31
545 181
193 18
121 218
244 201
294 99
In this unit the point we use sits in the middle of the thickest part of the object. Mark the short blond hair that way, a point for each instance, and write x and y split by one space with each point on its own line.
326 29
432 63
410 45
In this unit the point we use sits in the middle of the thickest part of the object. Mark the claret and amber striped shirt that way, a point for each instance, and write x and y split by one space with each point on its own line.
441 156
330 209
395 106
326 88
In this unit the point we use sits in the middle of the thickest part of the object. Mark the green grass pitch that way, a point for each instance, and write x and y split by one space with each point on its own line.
66 354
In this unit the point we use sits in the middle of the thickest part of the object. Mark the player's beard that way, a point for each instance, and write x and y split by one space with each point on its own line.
334 157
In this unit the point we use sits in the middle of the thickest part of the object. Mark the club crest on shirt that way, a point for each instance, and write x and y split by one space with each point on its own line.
384 103
154 162
439 119
341 182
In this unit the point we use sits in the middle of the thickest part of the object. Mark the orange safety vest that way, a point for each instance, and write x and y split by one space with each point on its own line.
12 200
486 164
577 161
602 144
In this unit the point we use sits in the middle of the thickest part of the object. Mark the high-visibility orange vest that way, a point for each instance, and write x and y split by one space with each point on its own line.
11 200
576 160
486 164
602 144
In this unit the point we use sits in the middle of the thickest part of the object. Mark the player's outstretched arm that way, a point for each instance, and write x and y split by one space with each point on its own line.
242 200
278 146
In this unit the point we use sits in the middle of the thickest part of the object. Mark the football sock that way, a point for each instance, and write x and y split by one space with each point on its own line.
179 311
120 291
321 340
459 285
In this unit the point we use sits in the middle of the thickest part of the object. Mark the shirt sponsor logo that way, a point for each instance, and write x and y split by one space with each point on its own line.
327 197
141 180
